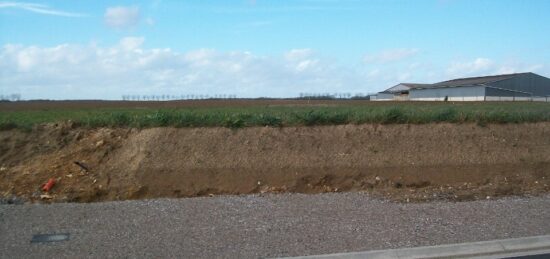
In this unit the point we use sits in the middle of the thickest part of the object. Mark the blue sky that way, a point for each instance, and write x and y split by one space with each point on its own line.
106 49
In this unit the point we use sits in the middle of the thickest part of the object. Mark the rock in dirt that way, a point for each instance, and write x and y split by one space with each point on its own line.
46 197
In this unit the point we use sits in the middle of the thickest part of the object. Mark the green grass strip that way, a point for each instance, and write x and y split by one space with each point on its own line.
278 116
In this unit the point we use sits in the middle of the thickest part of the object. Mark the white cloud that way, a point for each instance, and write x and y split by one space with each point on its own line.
391 55
485 66
127 67
298 54
131 43
39 8
107 72
373 73
302 60
470 68
518 67
122 16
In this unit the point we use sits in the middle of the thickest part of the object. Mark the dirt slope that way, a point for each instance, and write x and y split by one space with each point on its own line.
402 162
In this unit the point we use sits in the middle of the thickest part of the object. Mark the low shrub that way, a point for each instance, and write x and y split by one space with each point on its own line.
268 120
234 122
445 115
394 115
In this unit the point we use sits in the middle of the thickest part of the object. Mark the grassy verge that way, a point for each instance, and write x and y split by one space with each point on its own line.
236 117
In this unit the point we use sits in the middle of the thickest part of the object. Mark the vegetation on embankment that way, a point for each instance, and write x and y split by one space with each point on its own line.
276 116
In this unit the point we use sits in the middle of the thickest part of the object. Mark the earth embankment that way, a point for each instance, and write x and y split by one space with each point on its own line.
402 162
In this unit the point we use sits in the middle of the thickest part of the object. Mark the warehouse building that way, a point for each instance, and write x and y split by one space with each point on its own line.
399 92
509 87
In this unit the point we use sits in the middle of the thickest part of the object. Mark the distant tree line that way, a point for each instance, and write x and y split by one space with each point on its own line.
328 96
169 97
10 97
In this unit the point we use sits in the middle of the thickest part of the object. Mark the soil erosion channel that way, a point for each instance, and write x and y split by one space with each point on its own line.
400 162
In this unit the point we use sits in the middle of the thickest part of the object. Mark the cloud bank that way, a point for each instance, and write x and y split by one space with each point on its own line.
486 66
71 71
92 71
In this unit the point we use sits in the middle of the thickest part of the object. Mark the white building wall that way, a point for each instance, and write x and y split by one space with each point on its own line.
467 93
508 98
383 97
458 94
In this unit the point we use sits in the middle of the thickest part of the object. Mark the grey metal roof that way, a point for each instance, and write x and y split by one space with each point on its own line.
414 85
402 87
472 81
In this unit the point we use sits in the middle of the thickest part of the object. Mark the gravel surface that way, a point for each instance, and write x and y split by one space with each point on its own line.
261 226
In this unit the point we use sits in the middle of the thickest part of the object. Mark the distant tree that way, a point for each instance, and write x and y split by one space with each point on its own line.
14 97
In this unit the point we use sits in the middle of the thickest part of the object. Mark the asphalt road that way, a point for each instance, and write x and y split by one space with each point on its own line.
261 226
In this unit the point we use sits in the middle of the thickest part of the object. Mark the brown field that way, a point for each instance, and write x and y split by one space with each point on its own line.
401 162
44 105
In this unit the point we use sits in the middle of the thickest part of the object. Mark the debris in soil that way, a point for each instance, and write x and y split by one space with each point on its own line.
46 197
82 165
410 164
11 199
49 185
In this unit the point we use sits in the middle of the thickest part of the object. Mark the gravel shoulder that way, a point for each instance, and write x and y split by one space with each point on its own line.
256 226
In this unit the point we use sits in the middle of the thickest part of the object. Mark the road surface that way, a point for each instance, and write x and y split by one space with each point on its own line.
261 225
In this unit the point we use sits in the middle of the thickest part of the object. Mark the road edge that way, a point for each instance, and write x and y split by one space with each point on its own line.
524 246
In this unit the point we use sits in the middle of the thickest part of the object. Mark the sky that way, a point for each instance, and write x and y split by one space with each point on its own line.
262 48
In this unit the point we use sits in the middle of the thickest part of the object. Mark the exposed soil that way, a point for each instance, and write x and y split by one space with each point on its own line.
400 162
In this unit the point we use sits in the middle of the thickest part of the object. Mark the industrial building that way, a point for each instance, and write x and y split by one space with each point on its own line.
398 92
509 87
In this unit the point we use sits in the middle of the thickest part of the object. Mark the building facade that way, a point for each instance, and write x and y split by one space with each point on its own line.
509 87
398 92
